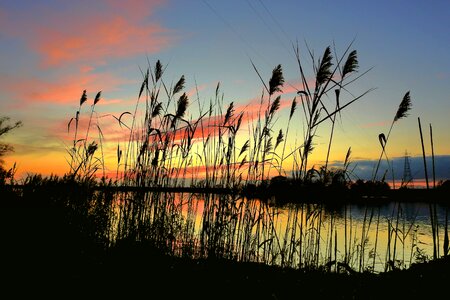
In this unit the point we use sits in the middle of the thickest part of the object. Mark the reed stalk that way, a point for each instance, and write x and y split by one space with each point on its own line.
432 157
446 249
402 112
433 219
376 238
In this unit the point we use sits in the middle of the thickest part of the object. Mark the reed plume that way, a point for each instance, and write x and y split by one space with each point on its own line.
276 81
402 112
229 113
97 97
157 110
158 70
182 105
351 64
179 85
403 108
280 139
324 71
83 98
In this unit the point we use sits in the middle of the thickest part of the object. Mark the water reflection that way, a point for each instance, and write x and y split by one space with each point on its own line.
338 238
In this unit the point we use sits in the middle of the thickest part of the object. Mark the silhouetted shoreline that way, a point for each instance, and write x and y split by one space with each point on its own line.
138 270
286 195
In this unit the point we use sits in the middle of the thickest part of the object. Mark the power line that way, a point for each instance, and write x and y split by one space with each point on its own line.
239 36
268 26
274 20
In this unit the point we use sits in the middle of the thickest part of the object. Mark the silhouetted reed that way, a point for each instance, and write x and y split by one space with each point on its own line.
402 112
167 146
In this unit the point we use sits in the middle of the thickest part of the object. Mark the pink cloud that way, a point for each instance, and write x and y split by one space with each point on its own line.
192 93
210 126
292 87
64 90
253 107
90 34
111 37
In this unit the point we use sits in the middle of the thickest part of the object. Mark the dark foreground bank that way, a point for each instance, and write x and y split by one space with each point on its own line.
46 254
59 264
138 271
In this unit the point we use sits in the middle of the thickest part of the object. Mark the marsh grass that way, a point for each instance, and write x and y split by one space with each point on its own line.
167 146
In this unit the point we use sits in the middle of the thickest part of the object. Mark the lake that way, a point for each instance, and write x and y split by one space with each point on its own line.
346 237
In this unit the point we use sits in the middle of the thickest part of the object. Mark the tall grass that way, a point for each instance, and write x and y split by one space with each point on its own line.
168 146
329 77
402 112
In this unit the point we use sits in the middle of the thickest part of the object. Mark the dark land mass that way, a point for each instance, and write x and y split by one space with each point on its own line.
134 271
43 254
280 193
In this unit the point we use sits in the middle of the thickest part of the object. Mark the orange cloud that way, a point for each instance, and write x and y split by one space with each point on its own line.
292 87
213 125
64 90
99 39
90 34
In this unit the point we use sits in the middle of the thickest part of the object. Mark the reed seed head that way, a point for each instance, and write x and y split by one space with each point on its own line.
245 147
293 107
347 157
351 64
275 105
83 98
229 113
280 138
157 110
179 85
158 70
144 84
404 107
182 105
97 97
277 80
91 149
382 139
324 72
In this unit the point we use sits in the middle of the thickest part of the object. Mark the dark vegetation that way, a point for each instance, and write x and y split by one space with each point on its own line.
54 240
131 234
280 191
53 250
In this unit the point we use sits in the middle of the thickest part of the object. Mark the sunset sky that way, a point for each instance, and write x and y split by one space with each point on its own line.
50 51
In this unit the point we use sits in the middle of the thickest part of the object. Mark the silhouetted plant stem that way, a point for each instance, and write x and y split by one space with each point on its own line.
376 239
446 239
291 113
434 186
350 66
402 112
396 230
333 121
432 213
432 156
423 154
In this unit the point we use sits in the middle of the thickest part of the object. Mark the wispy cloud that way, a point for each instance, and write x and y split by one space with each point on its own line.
251 111
89 34
96 40
63 90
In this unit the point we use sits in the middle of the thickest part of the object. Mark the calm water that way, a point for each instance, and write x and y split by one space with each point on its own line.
303 235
